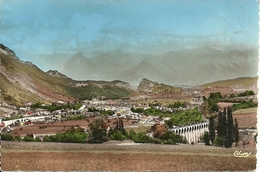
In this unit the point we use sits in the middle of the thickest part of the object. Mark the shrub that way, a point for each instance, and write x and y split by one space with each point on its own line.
71 136
219 141
205 138
131 134
46 139
141 137
37 139
17 138
171 138
28 139
117 135
7 137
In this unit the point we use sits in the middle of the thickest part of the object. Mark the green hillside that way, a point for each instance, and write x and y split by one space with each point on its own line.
20 82
165 88
243 82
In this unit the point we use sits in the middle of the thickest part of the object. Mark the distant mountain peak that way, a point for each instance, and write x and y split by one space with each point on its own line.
145 85
79 54
146 80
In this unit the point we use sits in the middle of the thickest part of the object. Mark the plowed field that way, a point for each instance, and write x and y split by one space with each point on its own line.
118 156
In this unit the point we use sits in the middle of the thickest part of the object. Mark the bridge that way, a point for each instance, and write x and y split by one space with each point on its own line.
33 119
192 132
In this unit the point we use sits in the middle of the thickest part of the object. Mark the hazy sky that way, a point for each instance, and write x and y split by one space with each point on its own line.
38 27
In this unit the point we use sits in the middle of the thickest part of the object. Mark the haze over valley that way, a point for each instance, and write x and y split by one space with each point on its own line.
183 67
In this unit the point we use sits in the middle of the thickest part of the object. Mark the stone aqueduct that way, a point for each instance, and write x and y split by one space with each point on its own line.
192 132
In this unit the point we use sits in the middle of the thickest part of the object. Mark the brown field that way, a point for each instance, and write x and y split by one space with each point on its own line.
58 127
246 120
117 156
125 155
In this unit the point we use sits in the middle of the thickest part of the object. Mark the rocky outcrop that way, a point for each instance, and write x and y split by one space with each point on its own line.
145 85
55 73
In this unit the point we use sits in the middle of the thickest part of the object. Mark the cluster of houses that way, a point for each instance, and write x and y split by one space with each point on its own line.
118 109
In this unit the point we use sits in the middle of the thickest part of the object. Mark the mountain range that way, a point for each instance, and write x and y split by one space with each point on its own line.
23 82
183 67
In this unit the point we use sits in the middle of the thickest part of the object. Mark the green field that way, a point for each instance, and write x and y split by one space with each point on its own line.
245 111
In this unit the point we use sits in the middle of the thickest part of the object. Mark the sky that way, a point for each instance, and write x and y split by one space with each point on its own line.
43 27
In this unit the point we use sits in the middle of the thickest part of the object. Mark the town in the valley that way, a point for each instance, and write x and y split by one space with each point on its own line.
188 114
124 85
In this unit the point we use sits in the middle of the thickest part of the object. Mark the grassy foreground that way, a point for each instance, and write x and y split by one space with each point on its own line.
126 161
119 156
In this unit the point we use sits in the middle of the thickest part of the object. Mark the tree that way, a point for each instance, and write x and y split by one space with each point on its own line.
120 124
169 123
211 130
236 132
230 129
205 109
98 131
220 127
118 133
158 130
224 122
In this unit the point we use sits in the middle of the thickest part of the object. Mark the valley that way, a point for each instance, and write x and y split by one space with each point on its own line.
141 119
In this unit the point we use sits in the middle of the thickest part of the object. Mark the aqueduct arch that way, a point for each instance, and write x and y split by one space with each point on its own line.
192 132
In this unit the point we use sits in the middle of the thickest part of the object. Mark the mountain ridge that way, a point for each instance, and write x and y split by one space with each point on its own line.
23 82
181 67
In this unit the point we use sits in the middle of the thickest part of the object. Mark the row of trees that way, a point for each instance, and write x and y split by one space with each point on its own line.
222 121
73 135
246 93
100 134
9 137
214 98
227 131
244 105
